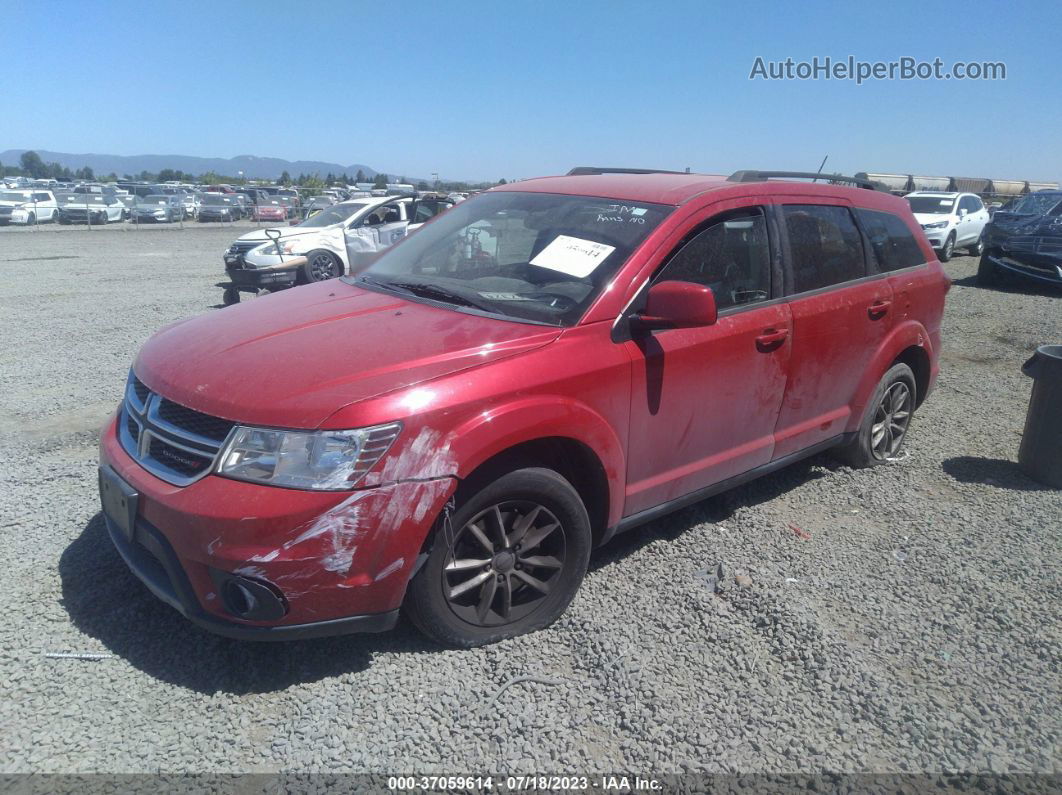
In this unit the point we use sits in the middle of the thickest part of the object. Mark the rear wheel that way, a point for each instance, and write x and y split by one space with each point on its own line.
978 248
31 219
230 296
888 416
321 265
55 216
508 562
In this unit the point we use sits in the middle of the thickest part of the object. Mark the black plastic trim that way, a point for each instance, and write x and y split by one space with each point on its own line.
649 514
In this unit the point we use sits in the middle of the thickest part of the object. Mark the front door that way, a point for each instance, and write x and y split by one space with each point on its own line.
704 401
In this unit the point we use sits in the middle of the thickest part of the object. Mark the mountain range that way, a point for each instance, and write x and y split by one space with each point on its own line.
251 166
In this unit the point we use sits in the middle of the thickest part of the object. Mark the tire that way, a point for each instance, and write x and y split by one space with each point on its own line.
55 216
948 250
31 219
230 296
64 221
978 248
884 409
320 266
987 272
101 220
515 589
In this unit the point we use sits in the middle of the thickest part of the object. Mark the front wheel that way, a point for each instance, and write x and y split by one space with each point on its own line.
230 296
987 273
888 416
949 248
507 562
321 265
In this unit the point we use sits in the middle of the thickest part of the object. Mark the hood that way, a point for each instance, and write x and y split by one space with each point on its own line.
931 218
287 231
294 358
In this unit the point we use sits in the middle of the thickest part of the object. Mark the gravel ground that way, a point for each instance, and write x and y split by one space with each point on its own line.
902 619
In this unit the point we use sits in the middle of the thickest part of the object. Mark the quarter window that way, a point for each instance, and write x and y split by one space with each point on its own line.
732 256
824 245
891 241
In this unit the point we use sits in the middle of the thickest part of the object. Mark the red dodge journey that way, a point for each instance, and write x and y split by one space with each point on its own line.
451 432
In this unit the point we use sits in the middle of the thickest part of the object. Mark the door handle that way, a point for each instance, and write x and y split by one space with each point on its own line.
771 339
879 308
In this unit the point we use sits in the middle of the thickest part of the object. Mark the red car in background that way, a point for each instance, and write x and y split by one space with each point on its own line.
271 211
539 368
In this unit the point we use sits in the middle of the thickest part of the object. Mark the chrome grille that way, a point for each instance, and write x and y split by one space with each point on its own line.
243 246
172 442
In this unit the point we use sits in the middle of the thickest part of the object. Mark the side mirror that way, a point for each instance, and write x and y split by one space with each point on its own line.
962 212
675 304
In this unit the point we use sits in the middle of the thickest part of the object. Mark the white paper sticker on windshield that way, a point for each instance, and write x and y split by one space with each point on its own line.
573 256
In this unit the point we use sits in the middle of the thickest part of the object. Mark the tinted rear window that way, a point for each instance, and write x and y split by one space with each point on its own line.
891 240
824 244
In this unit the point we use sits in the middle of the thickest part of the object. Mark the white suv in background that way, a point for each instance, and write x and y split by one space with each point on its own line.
950 220
28 206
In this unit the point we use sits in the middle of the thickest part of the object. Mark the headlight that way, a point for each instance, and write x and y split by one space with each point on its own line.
935 225
321 460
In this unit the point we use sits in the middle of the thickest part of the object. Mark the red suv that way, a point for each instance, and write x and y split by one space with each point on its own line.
545 365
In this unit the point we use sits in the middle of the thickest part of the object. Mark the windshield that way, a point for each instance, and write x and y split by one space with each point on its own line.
335 214
216 198
85 198
931 205
1034 204
155 200
529 256
15 196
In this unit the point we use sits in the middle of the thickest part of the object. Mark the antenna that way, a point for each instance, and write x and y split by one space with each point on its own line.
820 166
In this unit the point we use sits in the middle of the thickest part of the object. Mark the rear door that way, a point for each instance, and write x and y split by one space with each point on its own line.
704 401
841 312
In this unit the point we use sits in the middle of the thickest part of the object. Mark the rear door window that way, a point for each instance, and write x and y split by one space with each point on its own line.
731 255
891 241
824 244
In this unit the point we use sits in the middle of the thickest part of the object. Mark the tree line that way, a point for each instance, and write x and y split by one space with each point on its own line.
31 165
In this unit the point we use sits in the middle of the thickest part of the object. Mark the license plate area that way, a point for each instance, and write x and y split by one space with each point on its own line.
119 501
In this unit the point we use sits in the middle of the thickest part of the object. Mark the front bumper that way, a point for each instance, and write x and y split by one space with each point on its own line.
937 237
1037 258
281 273
339 561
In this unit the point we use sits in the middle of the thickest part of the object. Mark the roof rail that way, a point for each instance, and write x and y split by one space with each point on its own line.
763 176
582 171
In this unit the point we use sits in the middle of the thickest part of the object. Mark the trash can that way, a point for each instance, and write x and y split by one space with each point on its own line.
1040 456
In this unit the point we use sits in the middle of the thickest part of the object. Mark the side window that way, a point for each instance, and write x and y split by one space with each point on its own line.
976 205
824 245
732 256
40 197
893 244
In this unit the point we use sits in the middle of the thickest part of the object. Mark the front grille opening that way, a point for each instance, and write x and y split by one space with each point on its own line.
193 421
132 427
180 461
141 391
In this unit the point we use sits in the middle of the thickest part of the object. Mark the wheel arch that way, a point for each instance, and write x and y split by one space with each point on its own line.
910 343
565 435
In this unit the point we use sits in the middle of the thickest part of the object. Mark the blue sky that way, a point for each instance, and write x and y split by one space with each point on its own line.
477 90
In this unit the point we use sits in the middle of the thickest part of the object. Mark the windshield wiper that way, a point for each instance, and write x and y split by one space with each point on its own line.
427 290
